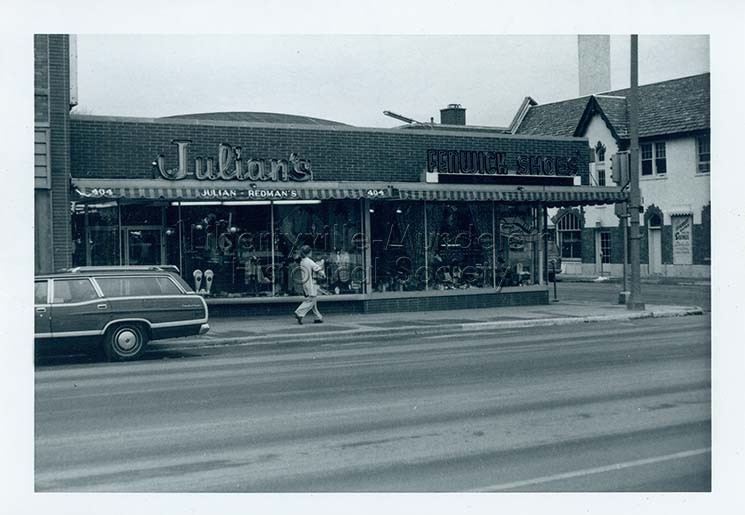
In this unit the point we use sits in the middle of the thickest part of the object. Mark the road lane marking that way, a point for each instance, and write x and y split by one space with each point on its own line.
595 470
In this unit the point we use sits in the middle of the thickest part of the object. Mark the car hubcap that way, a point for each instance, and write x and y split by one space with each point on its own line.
126 340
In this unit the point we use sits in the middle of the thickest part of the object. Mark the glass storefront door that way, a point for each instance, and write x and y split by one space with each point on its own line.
143 246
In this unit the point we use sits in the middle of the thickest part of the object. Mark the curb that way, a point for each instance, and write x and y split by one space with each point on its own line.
478 326
669 281
386 333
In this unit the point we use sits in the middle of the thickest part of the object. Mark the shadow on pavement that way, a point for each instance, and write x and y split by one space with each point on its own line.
90 358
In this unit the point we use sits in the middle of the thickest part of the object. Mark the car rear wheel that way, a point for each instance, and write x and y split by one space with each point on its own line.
125 341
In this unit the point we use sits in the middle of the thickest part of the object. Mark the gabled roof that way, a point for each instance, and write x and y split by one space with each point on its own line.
669 107
611 109
528 102
614 109
556 119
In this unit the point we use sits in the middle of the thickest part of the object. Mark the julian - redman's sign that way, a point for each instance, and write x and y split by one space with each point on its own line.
233 165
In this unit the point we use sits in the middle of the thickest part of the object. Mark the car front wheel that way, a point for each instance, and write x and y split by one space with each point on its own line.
125 341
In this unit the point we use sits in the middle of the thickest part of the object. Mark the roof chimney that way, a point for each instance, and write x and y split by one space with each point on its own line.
453 114
594 63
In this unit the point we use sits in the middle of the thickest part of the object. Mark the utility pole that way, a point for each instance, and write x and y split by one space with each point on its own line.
635 299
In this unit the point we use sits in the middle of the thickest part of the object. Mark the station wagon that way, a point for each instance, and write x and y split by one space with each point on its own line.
118 308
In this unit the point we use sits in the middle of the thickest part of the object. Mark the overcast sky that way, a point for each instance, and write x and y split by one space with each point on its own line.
352 79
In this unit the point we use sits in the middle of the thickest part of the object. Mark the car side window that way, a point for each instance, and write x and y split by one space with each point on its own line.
67 291
113 286
136 286
167 287
40 292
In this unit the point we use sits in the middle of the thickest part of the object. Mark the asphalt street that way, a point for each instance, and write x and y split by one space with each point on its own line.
591 407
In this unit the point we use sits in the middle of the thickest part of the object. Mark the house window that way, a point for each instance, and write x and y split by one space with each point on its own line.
647 163
600 151
660 161
655 222
569 236
605 246
654 159
704 154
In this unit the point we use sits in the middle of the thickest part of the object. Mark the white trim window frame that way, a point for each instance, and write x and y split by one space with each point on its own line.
569 236
601 175
703 154
605 246
653 159
599 152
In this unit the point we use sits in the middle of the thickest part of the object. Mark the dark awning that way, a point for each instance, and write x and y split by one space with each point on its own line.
548 195
156 189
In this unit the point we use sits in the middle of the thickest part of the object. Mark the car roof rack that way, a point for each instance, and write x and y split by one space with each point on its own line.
124 268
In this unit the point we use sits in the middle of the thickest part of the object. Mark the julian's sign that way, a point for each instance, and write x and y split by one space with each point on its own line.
231 164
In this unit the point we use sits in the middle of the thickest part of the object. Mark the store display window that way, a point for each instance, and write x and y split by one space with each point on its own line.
398 247
251 249
333 230
95 234
225 250
517 243
460 238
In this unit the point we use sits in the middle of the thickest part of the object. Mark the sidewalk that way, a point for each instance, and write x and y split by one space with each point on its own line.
338 327
680 281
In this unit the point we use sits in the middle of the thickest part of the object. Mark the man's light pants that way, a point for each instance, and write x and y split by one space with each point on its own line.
309 304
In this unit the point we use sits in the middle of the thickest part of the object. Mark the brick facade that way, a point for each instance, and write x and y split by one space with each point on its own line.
52 108
588 245
387 305
125 148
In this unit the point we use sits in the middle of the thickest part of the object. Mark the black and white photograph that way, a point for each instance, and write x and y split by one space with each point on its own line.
294 267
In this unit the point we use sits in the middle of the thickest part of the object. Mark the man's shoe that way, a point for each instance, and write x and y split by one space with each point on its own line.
299 319
317 321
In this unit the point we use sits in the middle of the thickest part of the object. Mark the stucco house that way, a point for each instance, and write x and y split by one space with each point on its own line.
674 137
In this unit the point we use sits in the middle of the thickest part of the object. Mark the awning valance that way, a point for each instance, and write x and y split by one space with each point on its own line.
548 195
680 211
157 189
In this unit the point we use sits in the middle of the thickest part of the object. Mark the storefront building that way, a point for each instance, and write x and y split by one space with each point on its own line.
403 219
434 216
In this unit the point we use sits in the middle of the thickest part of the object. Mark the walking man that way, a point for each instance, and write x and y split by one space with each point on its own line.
310 289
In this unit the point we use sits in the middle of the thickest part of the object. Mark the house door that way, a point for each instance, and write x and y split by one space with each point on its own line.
655 250
654 237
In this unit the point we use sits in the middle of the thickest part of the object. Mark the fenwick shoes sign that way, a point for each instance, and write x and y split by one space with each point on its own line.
231 165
